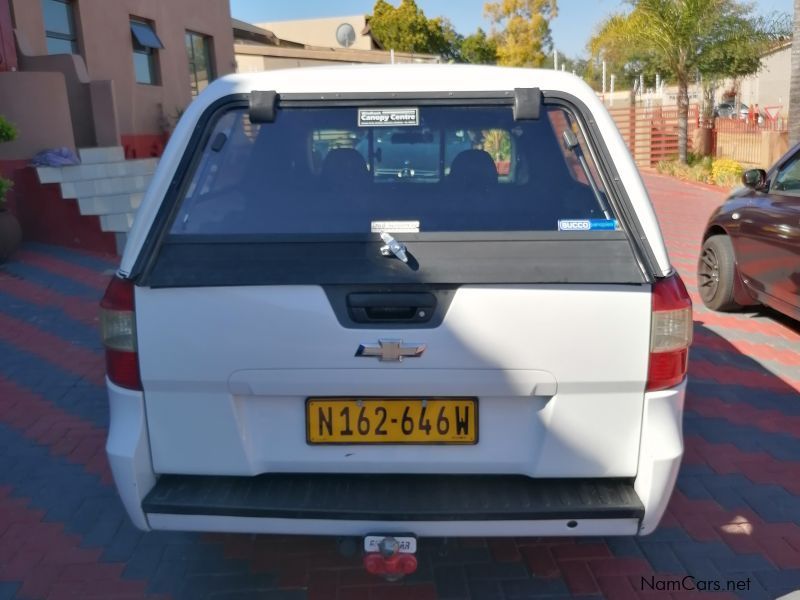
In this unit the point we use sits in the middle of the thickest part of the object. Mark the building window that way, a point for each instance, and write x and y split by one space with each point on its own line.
201 66
59 26
145 51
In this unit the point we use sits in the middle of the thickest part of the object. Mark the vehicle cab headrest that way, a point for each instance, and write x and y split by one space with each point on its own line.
473 168
344 167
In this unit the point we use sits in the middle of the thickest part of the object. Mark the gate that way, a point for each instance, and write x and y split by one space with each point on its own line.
651 133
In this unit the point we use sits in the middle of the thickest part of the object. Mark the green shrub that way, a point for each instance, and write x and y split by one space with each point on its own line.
665 167
8 133
5 187
726 172
723 171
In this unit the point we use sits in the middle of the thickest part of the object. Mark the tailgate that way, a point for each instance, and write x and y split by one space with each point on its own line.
559 372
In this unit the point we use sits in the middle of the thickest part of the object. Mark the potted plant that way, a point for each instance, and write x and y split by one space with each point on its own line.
10 231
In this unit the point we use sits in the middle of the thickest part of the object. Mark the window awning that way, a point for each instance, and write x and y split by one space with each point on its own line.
143 33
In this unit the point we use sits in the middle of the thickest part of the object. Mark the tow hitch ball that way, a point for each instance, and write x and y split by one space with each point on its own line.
390 557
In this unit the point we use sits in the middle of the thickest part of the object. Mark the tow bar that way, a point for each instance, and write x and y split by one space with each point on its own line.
391 557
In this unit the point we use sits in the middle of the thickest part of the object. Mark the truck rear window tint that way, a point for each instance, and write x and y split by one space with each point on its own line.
315 171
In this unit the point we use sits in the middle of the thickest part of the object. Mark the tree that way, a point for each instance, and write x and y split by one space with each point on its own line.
794 94
741 54
626 60
579 65
523 39
479 49
687 38
407 29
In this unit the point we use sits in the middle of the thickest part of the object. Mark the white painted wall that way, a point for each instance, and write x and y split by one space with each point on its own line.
770 86
320 32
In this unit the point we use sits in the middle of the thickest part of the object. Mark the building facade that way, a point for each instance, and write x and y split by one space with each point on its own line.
107 79
769 88
350 31
129 67
312 43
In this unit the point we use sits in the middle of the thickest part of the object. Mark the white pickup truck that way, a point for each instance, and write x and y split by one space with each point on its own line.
417 300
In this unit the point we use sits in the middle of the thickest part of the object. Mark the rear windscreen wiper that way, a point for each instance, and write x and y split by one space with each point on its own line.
571 142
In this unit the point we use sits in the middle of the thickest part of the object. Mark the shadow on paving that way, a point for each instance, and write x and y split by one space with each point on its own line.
749 454
781 318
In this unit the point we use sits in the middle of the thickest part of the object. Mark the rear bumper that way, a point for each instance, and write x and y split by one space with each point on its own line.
361 528
636 509
660 453
421 504
128 450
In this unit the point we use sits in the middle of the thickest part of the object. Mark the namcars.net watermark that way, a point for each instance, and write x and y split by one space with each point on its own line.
690 583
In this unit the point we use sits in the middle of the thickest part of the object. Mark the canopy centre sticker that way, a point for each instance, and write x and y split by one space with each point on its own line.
388 117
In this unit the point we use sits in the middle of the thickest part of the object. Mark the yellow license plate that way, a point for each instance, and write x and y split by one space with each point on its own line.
392 420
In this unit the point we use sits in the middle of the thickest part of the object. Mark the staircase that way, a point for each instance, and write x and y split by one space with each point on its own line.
105 185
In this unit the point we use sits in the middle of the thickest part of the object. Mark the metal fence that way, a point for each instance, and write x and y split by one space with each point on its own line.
743 140
651 133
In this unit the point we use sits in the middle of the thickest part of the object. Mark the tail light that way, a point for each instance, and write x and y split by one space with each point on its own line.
670 334
118 328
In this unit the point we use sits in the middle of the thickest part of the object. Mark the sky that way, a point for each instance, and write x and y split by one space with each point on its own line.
572 28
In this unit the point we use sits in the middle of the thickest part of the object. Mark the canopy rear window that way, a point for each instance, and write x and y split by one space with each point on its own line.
316 196
328 170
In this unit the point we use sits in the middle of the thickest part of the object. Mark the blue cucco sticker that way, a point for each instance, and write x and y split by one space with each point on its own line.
587 225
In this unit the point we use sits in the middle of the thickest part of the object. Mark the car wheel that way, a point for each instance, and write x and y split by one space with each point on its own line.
716 273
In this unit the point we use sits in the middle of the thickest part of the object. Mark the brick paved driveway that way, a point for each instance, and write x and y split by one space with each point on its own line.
735 514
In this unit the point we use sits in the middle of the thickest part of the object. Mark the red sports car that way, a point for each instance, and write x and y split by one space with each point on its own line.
751 246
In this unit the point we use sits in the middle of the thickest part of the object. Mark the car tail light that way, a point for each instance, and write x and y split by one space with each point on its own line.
118 328
670 334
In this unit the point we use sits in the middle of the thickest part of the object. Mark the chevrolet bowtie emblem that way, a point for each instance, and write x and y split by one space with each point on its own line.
391 350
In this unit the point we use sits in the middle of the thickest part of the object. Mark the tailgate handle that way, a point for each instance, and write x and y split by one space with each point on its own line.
391 307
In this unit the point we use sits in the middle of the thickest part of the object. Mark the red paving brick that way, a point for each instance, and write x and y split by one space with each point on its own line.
504 550
759 467
39 295
770 420
755 350
50 426
59 352
64 268
579 577
49 562
746 378
540 560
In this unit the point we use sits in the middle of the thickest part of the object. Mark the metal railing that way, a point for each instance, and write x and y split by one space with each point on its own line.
743 140
651 134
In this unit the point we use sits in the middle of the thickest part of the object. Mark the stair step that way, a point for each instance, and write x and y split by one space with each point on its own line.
90 156
120 223
125 168
110 186
108 205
